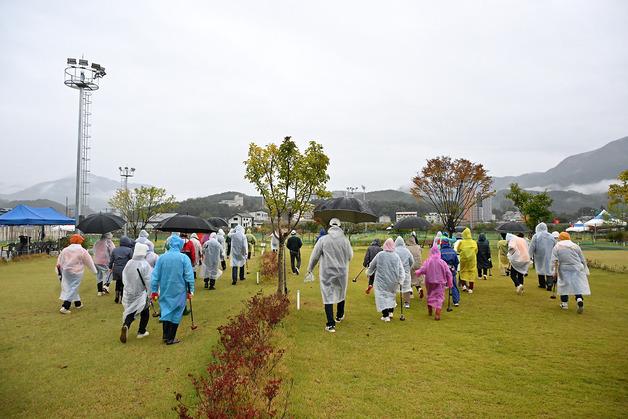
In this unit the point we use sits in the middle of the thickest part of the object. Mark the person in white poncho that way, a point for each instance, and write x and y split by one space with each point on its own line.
334 252
407 260
389 273
70 265
519 260
212 250
540 250
239 252
572 271
136 280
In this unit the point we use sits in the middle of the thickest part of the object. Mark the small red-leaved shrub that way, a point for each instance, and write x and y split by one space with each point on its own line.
269 265
241 381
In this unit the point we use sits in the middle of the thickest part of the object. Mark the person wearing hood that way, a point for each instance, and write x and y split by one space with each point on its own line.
570 267
143 238
239 250
220 237
71 264
212 250
334 253
370 254
519 259
136 280
449 255
540 250
438 276
119 258
555 235
322 232
389 274
189 250
167 243
294 245
468 251
436 241
198 251
415 280
407 260
251 241
484 257
171 281
102 255
413 238
502 252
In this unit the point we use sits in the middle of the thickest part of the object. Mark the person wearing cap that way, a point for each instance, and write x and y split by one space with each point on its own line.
171 280
389 272
334 253
294 245
570 267
71 264
251 241
136 280
102 255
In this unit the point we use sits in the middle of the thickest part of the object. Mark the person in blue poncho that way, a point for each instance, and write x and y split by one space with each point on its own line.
171 280
448 254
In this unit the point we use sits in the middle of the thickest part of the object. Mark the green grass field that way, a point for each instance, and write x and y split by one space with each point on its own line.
497 355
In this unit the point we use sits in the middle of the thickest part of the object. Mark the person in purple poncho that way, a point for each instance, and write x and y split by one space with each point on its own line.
437 278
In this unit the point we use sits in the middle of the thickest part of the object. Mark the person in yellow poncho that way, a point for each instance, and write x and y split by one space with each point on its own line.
502 250
467 251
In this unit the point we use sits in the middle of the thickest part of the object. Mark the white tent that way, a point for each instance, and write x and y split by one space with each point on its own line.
604 219
578 227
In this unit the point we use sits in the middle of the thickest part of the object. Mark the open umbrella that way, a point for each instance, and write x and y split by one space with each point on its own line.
218 222
186 224
350 210
101 223
412 223
513 227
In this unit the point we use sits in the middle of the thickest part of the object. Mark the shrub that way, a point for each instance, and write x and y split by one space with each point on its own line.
269 266
241 380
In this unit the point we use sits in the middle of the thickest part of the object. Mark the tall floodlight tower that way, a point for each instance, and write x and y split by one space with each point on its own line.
81 76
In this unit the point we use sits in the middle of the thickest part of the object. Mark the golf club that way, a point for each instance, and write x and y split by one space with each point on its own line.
553 296
449 301
194 326
359 273
402 317
150 300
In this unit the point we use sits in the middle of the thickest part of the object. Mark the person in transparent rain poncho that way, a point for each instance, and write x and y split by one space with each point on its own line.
239 252
389 274
102 255
220 237
571 270
143 238
438 276
519 259
407 260
540 250
334 252
212 251
70 264
135 301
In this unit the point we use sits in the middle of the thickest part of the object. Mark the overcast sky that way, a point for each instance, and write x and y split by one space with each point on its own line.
516 85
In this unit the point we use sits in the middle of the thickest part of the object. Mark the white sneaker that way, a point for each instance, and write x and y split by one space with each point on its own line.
99 293
580 305
105 288
519 289
142 335
456 304
390 315
330 329
80 307
339 319
470 291
64 310
406 305
564 306
385 319
464 288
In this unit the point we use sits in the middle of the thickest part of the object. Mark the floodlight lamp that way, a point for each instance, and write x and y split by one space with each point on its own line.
83 62
96 66
120 168
71 61
133 169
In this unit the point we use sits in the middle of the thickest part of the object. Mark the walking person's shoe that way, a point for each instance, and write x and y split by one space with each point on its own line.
100 293
368 290
437 316
142 335
406 305
429 310
519 289
464 288
330 329
564 306
484 276
234 282
206 284
420 293
173 341
339 319
105 289
123 333
456 304
580 305
64 310
470 291
297 270
385 319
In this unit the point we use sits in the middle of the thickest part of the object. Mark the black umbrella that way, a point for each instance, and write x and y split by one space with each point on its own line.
412 223
101 223
350 210
186 224
218 222
513 227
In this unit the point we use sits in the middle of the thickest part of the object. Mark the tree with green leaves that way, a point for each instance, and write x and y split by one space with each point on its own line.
452 187
137 206
618 196
533 206
287 179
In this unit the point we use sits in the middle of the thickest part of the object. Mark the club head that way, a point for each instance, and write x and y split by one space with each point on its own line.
402 318
355 280
553 297
450 309
155 314
194 326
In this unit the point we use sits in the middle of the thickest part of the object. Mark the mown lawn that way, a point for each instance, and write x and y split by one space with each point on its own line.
497 355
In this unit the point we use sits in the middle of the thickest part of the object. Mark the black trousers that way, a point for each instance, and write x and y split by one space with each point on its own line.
234 273
144 316
482 271
516 276
388 311
68 304
546 281
329 312
565 298
371 280
169 331
295 261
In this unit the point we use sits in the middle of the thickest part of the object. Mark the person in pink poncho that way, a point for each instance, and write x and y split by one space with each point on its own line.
437 277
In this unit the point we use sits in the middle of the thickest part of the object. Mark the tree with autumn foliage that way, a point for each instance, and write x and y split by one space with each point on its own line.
452 187
287 179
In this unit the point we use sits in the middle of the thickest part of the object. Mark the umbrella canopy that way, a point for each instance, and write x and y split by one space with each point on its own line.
186 224
218 222
101 223
513 227
350 210
412 223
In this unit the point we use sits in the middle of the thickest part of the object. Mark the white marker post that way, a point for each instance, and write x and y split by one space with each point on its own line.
257 280
298 300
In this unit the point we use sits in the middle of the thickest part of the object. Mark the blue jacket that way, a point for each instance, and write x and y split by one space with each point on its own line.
449 256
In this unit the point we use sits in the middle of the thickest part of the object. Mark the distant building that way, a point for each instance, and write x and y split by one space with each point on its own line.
481 212
237 201
244 220
433 218
400 215
384 219
158 218
260 217
512 216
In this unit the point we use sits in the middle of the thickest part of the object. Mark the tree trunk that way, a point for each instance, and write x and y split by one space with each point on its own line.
281 255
